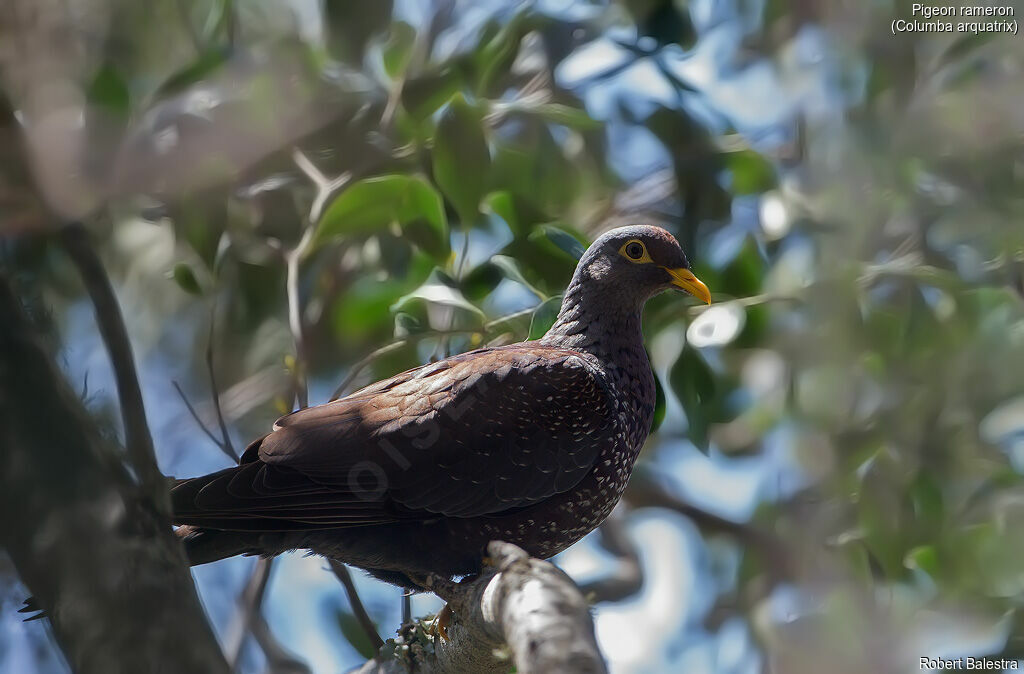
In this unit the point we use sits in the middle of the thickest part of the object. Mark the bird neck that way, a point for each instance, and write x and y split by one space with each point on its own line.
599 321
606 324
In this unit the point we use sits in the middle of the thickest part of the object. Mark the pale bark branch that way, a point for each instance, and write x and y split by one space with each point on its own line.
520 611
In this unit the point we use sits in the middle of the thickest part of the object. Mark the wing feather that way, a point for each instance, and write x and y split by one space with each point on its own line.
477 434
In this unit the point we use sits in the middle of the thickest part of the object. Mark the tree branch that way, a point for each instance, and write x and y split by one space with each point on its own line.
199 422
341 571
520 611
628 577
225 442
250 606
279 659
100 559
645 491
138 442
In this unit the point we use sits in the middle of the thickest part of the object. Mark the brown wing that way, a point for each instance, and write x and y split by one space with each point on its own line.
476 434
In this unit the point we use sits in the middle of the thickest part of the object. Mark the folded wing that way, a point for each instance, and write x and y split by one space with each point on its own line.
477 434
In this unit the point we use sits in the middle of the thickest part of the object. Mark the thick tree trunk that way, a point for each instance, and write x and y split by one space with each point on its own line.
84 536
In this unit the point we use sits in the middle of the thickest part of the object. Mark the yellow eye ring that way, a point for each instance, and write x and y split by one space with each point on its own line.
635 251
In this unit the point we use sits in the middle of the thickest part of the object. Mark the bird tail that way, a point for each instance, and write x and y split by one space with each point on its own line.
203 546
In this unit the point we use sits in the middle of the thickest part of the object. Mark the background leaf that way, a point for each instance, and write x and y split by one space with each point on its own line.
544 317
461 159
376 203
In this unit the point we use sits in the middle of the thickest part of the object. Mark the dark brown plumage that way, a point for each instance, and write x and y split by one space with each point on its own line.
530 443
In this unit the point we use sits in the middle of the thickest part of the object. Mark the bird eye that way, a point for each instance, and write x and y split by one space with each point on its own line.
635 250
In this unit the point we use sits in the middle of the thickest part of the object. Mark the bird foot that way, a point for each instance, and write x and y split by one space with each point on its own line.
441 623
439 628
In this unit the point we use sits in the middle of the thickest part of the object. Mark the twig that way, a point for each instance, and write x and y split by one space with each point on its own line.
279 659
252 597
749 301
225 444
250 603
293 261
195 415
138 442
343 575
325 187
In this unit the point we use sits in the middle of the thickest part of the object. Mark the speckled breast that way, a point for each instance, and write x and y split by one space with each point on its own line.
547 528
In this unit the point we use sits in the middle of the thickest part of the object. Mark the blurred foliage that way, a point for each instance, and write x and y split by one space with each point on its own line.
864 246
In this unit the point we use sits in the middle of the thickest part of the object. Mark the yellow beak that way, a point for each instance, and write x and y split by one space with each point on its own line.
684 278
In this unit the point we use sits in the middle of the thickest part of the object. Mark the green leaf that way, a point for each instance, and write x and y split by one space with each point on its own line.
751 172
961 48
398 49
693 382
423 95
108 90
354 633
481 280
497 56
349 26
218 22
565 241
924 558
510 268
926 495
186 279
659 404
439 288
502 205
534 167
462 161
544 317
199 69
363 312
561 114
744 273
407 324
424 233
376 203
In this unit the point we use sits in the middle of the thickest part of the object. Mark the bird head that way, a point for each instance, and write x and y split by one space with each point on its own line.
638 262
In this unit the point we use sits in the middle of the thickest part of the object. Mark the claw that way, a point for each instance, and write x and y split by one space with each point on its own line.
442 621
31 606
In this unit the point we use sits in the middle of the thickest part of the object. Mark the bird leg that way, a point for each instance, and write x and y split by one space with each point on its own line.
406 605
441 623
